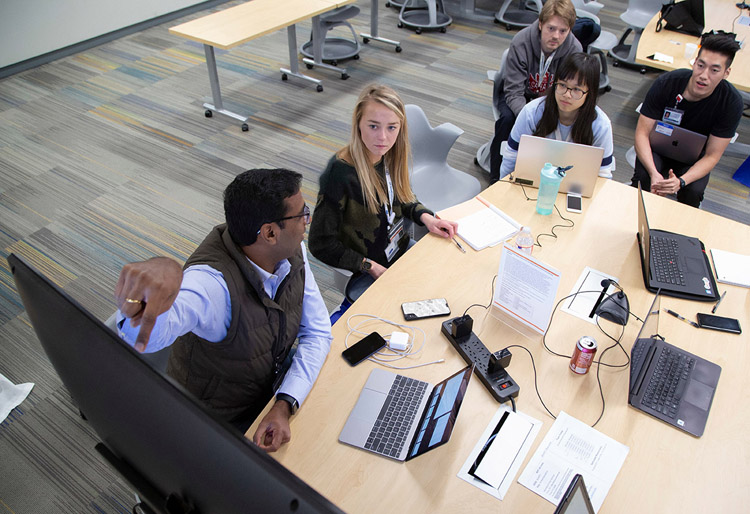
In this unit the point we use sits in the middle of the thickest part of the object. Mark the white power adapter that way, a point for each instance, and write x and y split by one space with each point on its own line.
398 341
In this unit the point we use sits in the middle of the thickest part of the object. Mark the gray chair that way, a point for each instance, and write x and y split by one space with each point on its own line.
157 360
436 184
637 16
591 6
520 16
603 44
483 153
424 14
335 48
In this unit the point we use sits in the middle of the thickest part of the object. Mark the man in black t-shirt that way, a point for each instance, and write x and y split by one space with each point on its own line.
701 100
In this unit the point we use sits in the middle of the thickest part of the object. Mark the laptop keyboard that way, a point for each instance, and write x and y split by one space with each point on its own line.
667 383
392 426
664 257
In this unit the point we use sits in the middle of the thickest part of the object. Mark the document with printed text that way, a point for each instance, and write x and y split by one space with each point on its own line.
572 447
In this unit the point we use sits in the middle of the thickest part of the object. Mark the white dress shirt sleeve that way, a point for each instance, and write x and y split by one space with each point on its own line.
202 306
314 341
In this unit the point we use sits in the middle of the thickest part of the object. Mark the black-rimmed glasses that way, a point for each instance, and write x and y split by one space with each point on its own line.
305 214
575 92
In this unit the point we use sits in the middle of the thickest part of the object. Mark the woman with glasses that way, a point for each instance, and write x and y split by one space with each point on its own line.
568 112
365 197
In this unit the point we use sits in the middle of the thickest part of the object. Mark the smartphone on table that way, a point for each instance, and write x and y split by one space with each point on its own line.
363 349
719 323
425 309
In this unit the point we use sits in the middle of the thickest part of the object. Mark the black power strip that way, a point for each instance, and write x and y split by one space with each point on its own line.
498 382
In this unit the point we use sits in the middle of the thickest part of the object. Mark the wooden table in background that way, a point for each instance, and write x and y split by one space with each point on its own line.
666 469
242 23
719 15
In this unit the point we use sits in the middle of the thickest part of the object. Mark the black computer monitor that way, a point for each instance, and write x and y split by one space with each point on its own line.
162 440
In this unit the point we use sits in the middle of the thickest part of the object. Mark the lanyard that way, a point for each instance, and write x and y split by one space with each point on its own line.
388 206
678 99
544 64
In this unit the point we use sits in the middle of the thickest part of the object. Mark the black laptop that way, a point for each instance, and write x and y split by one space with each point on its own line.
675 264
669 383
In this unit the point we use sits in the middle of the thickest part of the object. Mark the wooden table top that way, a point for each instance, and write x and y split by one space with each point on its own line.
719 15
666 469
237 25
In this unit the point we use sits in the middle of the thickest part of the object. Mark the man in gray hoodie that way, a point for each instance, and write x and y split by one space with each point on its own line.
530 67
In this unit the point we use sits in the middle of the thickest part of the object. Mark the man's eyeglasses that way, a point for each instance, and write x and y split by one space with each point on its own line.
305 214
575 93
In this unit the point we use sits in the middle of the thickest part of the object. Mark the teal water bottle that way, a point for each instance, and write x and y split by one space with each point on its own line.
548 188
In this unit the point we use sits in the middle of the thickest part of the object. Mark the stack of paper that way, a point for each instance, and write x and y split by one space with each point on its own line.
486 227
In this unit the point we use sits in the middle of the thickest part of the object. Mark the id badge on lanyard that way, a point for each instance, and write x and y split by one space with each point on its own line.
395 230
673 115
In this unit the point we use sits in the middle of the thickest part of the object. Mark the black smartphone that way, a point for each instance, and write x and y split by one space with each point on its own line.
719 323
361 350
425 309
575 203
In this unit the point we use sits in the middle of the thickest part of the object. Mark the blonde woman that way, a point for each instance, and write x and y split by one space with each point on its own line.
365 196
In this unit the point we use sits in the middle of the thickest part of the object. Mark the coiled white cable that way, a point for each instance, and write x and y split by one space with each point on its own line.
387 355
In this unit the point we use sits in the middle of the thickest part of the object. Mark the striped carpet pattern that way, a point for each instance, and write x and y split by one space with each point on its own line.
106 158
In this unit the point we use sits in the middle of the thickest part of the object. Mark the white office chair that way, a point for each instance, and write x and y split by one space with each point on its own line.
603 44
157 360
483 153
637 16
334 49
520 16
592 6
436 184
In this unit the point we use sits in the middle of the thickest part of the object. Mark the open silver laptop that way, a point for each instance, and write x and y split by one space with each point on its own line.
401 418
676 143
534 152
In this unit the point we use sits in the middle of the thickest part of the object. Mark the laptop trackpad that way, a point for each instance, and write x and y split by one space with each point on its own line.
368 406
699 394
695 265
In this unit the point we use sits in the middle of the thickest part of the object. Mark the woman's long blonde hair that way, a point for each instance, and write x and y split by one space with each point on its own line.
374 190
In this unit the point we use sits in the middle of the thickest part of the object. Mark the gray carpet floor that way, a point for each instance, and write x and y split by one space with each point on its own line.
106 158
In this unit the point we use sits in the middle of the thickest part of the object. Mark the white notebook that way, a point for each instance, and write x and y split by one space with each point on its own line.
731 268
486 227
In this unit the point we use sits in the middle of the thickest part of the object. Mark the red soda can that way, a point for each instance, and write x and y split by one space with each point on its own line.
583 355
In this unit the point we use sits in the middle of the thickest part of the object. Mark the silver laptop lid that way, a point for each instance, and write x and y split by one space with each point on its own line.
676 143
534 152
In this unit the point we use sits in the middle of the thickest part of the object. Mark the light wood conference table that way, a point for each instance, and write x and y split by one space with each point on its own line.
719 15
666 470
239 24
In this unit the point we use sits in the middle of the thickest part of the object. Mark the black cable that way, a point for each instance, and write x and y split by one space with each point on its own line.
513 403
492 295
552 230
544 336
536 386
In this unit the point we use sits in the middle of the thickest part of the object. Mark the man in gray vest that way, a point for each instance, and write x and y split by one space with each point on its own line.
245 295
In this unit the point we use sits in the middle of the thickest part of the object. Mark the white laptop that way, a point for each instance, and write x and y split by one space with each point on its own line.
400 417
534 152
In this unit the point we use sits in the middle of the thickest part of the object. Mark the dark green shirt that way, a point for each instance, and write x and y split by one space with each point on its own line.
343 231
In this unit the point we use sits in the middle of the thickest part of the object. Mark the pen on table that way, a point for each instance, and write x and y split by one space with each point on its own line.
682 318
458 244
713 311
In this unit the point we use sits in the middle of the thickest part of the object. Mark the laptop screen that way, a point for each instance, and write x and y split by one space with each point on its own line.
650 326
643 229
440 413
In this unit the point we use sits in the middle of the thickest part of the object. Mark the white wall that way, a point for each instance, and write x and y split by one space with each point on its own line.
29 28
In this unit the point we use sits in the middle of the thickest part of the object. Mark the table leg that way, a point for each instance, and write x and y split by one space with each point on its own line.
291 34
317 60
373 35
213 79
